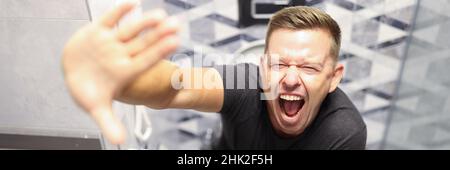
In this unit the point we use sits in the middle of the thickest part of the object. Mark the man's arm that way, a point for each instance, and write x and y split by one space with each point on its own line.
159 88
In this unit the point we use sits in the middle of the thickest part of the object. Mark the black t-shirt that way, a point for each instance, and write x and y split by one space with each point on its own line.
246 124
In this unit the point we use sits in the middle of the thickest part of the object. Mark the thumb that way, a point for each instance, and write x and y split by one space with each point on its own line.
109 124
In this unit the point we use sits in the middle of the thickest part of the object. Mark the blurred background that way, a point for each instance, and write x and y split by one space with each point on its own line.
396 54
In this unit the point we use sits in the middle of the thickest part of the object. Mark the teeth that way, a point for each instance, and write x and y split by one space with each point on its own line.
290 97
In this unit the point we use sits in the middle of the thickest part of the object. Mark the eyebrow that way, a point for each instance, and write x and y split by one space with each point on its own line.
317 64
282 59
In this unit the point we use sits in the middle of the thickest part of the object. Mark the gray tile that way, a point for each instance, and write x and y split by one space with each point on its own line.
419 48
428 17
365 33
400 114
404 15
172 9
33 92
202 30
61 9
437 72
443 39
358 68
408 90
421 134
257 31
430 104
440 6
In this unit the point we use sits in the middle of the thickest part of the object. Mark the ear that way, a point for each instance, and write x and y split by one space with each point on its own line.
263 71
336 77
261 60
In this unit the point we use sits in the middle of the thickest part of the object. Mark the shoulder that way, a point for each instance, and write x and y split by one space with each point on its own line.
341 121
337 107
344 123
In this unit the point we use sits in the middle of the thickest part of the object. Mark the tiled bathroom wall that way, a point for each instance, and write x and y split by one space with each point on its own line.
421 111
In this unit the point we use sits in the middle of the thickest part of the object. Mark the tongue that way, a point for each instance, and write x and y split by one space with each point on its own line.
291 107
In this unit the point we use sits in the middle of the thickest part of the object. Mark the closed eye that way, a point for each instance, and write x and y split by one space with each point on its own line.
278 66
310 69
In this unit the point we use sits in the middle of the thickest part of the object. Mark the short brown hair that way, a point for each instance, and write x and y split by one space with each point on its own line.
302 17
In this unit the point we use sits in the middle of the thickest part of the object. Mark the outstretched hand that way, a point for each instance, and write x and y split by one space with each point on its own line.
99 60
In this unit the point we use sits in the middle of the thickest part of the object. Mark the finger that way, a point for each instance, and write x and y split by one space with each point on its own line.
109 124
168 27
150 20
112 17
155 53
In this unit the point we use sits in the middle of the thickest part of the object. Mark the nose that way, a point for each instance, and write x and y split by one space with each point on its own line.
292 78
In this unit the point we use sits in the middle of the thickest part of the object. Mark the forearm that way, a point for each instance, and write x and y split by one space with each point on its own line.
153 88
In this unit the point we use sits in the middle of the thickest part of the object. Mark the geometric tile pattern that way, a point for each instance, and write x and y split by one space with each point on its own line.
420 115
374 40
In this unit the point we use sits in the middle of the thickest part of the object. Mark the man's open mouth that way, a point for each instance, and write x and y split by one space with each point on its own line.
291 104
